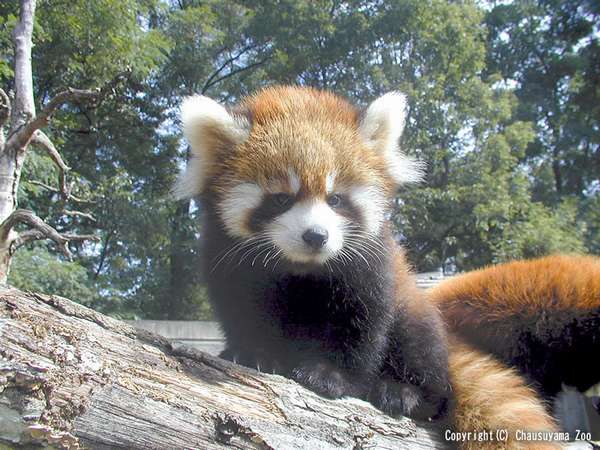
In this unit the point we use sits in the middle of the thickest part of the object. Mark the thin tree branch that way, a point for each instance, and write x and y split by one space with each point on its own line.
24 238
36 235
44 185
228 61
40 230
103 254
22 136
71 213
238 70
40 139
72 197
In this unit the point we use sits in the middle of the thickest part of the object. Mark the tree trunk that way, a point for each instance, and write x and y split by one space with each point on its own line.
8 179
23 109
24 128
72 378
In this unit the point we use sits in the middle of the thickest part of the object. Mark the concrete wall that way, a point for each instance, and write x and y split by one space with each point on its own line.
203 335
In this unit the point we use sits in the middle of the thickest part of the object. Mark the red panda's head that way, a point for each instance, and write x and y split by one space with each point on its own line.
297 170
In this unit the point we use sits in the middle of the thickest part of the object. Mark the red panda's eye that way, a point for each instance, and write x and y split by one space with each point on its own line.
334 200
282 199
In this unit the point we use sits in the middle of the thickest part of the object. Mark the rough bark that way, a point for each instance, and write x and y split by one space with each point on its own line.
73 378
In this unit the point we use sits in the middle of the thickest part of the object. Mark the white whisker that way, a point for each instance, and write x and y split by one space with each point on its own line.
238 247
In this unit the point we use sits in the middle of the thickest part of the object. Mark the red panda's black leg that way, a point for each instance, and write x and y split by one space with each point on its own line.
414 378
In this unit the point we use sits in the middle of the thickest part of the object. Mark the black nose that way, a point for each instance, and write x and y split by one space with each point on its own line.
315 237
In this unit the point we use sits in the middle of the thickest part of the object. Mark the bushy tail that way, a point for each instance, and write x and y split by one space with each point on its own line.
541 316
495 405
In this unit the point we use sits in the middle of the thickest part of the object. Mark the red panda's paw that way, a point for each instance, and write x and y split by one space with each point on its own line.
324 378
403 399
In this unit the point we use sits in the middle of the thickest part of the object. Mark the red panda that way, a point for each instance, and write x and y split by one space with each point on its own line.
301 267
541 316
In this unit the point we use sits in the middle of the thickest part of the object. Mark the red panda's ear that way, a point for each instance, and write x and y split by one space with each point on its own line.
381 127
208 128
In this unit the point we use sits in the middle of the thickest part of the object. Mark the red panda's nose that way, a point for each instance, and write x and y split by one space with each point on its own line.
315 237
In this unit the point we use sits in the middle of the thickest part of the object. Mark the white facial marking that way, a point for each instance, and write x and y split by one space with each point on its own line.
371 203
276 186
236 206
287 230
330 182
294 181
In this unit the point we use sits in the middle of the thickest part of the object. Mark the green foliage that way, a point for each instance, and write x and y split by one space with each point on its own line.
7 23
100 38
590 215
553 59
537 231
39 270
504 111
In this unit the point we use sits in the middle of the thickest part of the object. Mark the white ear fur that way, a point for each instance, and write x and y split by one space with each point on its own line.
382 127
202 119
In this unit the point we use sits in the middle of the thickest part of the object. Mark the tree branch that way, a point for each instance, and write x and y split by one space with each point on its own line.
21 137
24 238
4 108
72 197
44 141
236 71
40 230
103 254
88 216
90 381
228 61
40 139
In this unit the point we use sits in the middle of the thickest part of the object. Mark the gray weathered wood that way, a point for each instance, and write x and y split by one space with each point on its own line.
72 378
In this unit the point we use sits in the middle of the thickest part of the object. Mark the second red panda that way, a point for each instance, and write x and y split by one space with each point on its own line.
541 316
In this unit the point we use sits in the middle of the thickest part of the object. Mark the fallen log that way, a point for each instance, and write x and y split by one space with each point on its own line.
73 378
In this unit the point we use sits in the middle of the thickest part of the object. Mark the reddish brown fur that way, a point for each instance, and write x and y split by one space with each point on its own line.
313 131
550 302
540 316
558 283
490 397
